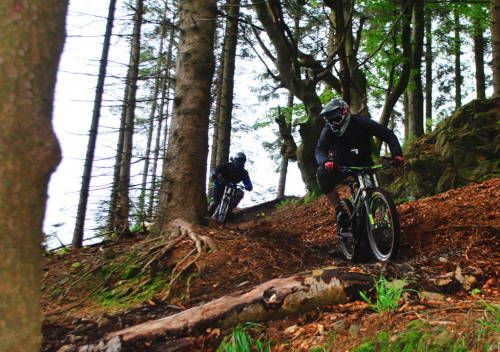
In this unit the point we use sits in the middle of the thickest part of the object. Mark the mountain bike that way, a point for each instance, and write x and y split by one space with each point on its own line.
373 227
227 202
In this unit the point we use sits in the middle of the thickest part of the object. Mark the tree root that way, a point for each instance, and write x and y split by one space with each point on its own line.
148 255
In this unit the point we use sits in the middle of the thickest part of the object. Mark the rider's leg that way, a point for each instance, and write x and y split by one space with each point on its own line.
238 196
327 183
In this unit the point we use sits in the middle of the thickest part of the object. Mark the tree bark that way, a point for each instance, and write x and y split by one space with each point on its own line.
288 65
96 114
495 46
288 147
227 86
163 118
158 83
271 300
458 66
121 224
415 96
479 46
30 46
428 73
395 92
182 193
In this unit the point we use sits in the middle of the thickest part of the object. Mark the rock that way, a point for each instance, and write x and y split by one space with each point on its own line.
462 149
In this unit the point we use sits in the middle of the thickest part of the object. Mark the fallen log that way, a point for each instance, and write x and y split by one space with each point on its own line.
270 300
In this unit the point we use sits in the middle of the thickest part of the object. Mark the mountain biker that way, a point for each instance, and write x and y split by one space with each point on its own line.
232 172
346 140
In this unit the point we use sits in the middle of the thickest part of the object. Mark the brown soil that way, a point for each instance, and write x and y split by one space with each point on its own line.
445 238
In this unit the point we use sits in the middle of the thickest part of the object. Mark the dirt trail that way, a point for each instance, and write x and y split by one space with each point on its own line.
450 246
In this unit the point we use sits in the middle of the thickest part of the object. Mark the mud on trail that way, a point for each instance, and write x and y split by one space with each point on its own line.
449 249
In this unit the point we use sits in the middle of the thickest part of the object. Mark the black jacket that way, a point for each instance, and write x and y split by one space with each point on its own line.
354 148
228 172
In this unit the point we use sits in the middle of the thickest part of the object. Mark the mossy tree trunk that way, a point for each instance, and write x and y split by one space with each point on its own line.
30 46
182 194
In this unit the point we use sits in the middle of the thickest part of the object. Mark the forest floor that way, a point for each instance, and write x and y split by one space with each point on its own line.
449 256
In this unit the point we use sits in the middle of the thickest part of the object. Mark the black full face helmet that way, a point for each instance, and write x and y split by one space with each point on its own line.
239 159
337 116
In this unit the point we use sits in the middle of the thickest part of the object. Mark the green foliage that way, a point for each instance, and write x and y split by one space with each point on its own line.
491 321
312 196
62 251
245 338
419 337
387 295
286 202
138 228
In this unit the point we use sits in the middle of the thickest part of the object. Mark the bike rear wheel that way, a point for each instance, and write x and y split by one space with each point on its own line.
383 227
353 242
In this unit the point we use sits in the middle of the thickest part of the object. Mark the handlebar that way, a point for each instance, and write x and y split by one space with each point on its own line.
234 185
384 163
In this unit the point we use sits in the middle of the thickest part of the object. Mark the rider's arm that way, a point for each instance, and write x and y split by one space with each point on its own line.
384 134
323 145
247 182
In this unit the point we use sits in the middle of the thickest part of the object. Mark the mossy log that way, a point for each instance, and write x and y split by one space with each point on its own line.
270 300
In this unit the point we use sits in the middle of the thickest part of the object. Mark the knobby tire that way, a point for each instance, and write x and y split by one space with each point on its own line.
383 230
355 249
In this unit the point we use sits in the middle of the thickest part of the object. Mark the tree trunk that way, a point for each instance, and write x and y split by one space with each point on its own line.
227 87
495 46
271 300
288 65
164 111
288 147
479 46
89 158
415 96
158 82
428 73
458 66
395 92
182 193
123 195
406 119
30 46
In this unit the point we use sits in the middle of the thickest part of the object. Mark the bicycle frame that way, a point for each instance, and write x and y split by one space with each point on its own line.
363 217
362 174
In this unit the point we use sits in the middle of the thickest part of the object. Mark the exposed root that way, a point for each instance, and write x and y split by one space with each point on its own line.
149 255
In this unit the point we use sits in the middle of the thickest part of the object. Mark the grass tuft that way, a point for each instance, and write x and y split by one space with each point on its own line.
246 337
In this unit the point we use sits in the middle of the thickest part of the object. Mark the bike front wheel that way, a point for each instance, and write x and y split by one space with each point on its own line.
383 228
222 210
352 238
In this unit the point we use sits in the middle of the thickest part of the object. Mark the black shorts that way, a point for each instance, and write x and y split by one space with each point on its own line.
328 180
